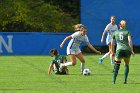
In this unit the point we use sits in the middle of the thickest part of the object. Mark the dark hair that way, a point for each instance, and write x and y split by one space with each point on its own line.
54 52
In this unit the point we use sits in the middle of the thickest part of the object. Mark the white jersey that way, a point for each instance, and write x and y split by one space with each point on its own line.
77 39
110 29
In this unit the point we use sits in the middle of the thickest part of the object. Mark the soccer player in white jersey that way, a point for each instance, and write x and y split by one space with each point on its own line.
73 50
110 28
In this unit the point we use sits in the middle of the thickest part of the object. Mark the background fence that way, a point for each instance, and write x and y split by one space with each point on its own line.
31 43
95 15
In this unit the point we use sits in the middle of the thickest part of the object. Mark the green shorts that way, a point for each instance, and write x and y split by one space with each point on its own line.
123 53
64 72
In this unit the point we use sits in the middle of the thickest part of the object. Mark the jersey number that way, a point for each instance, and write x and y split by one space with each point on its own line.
121 35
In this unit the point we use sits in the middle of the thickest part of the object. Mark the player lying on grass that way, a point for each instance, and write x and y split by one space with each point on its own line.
55 63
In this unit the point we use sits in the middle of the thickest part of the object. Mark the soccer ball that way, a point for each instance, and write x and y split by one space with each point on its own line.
86 72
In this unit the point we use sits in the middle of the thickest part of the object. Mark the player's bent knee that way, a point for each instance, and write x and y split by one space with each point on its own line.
73 63
117 62
117 66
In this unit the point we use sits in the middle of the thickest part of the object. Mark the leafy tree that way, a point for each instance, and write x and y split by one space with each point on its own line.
35 15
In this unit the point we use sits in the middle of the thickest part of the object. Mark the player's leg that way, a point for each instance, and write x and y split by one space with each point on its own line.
104 56
116 69
81 58
73 62
126 65
71 54
65 71
55 69
126 69
111 57
118 58
108 42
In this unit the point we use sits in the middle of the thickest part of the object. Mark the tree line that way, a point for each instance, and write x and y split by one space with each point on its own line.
39 15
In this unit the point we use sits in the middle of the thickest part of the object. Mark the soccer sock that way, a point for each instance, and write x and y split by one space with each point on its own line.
115 73
67 64
107 54
126 71
82 66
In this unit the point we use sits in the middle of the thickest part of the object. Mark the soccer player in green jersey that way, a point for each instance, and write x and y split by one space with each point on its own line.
123 51
55 63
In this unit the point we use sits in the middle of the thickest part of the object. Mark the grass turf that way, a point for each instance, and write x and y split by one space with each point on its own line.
28 74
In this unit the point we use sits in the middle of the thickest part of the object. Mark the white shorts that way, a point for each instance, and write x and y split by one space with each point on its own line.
108 39
73 51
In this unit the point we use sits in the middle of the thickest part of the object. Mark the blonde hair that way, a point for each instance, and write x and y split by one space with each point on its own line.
113 17
78 27
123 24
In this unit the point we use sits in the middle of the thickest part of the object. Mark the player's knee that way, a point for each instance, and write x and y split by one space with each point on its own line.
126 63
117 66
83 61
109 52
73 63
117 62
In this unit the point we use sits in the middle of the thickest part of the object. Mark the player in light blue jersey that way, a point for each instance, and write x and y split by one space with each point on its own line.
73 50
110 28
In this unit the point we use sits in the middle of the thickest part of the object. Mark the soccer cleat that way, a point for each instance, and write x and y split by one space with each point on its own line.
100 60
81 71
113 82
125 82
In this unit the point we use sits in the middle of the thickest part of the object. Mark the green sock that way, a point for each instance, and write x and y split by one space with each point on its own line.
115 73
114 76
126 71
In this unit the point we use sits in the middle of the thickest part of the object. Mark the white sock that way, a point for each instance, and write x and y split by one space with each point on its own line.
107 54
67 64
82 66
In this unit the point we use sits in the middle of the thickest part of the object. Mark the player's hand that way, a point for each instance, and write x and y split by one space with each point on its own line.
61 46
133 53
98 52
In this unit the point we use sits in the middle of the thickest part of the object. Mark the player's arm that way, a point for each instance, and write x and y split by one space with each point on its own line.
92 48
131 44
67 38
106 29
50 69
112 46
74 35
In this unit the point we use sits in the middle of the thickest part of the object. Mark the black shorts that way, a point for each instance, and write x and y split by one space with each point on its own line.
64 72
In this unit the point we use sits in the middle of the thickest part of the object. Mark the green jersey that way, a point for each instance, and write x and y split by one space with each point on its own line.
58 59
121 37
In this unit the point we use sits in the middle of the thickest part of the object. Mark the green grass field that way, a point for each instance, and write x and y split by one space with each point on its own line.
28 74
